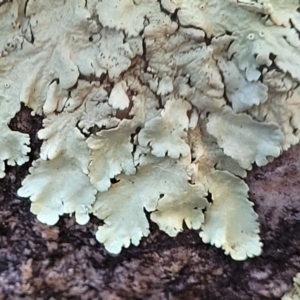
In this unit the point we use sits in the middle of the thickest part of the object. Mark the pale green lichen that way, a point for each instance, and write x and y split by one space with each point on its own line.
150 105
294 294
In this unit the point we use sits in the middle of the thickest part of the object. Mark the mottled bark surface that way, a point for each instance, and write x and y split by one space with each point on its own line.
65 262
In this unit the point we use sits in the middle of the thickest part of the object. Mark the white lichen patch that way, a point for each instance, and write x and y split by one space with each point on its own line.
111 153
127 199
231 222
165 134
294 294
150 105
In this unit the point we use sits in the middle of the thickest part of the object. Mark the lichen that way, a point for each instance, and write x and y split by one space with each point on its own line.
150 105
